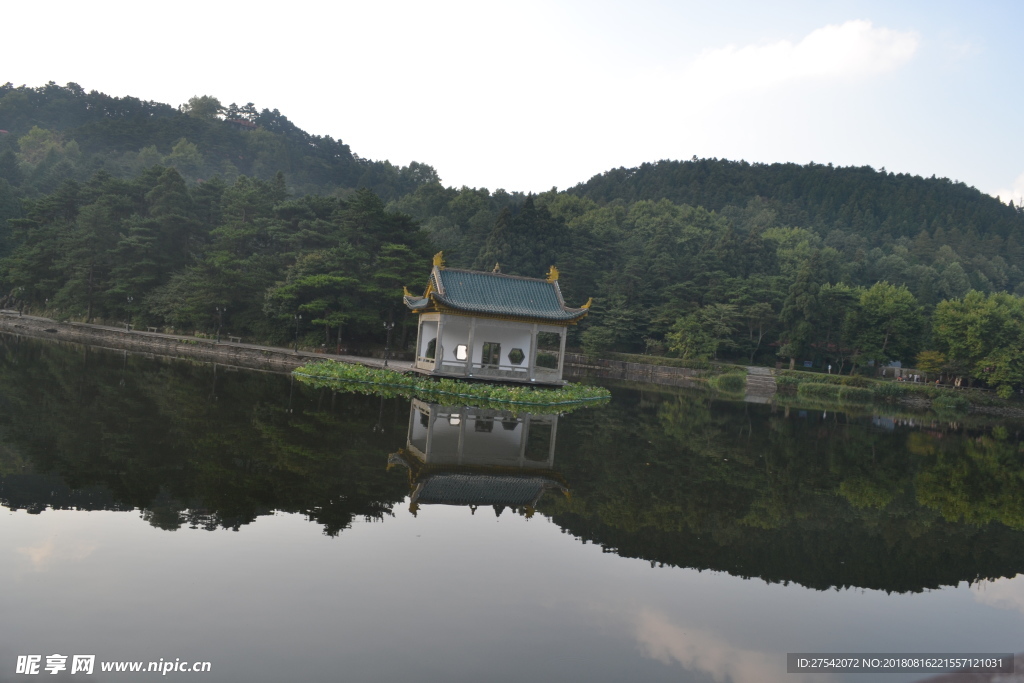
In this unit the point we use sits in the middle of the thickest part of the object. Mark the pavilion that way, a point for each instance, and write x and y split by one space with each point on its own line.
478 457
492 325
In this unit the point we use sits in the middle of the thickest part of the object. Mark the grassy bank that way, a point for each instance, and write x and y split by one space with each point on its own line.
858 390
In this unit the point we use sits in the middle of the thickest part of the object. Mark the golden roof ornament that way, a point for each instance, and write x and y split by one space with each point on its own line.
439 259
497 267
590 302
552 274
406 292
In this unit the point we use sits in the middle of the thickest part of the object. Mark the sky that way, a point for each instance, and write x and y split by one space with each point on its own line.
533 95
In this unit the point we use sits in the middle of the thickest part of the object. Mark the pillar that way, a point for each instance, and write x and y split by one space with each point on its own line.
469 344
419 341
438 348
561 351
533 352
551 443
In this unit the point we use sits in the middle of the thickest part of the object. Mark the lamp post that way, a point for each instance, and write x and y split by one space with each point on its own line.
298 319
221 310
128 323
389 325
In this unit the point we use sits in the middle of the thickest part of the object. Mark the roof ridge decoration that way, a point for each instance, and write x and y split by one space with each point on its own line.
491 273
496 295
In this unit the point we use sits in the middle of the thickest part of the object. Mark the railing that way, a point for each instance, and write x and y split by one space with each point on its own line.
424 362
484 369
500 371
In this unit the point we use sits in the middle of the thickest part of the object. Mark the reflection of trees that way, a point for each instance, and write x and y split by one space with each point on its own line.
823 502
976 480
668 478
166 443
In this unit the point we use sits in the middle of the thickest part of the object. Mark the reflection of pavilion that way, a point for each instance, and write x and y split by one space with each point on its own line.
473 456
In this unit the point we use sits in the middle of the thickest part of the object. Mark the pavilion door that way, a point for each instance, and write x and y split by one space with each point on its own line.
491 355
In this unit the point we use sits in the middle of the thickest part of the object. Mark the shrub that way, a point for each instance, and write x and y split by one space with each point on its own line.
786 381
951 401
819 391
849 394
891 391
732 382
546 360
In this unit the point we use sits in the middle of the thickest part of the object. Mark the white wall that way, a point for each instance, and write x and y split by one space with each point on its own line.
510 337
498 446
428 331
454 332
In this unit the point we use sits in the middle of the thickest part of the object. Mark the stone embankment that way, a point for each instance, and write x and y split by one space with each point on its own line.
761 385
578 366
234 353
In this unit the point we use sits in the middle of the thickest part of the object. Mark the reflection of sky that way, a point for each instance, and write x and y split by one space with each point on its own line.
443 597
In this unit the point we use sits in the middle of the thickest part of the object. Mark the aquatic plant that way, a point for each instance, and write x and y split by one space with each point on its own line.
385 382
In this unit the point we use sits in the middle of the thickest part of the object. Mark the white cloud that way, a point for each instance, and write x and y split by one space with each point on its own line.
1014 193
1002 593
853 49
45 554
698 650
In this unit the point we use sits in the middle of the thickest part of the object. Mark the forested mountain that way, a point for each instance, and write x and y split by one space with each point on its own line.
876 204
64 132
187 210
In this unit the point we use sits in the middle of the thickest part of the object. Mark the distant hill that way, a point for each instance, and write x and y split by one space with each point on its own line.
67 133
872 203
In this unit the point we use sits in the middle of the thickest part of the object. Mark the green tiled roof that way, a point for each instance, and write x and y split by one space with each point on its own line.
497 294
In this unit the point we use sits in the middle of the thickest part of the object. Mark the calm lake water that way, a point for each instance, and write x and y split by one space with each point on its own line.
158 509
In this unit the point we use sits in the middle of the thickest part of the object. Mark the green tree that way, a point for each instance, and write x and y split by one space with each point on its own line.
205 107
185 157
798 312
525 243
930 363
887 324
834 306
983 336
699 335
